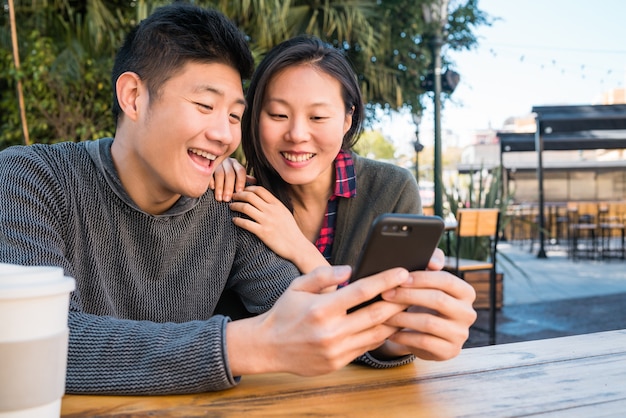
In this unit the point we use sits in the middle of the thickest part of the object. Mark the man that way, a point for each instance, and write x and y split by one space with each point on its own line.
132 220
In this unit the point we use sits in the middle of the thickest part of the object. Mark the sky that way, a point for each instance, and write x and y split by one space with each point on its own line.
536 52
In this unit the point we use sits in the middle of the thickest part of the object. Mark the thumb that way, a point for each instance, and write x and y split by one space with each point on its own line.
437 260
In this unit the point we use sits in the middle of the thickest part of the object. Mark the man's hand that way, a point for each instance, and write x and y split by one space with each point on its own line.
308 332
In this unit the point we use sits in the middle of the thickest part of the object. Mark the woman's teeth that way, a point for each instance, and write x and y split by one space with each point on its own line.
297 158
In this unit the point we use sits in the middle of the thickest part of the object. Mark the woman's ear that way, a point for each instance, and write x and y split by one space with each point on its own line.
129 90
347 123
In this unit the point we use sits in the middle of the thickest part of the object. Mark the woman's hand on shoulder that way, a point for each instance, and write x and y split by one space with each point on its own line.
229 177
273 223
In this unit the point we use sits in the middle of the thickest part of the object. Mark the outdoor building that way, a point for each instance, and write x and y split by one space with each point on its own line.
568 175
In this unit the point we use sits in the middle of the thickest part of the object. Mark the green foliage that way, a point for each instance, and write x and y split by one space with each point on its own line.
403 58
372 144
66 51
67 94
480 190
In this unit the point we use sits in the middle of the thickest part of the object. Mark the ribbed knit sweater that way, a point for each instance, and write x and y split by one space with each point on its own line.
141 318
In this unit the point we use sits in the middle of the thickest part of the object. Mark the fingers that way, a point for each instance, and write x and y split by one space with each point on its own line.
308 331
222 179
240 179
248 194
228 177
364 329
321 278
253 202
437 322
442 281
365 289
430 346
437 260
355 293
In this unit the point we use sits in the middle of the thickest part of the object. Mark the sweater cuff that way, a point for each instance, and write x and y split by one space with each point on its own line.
233 380
369 360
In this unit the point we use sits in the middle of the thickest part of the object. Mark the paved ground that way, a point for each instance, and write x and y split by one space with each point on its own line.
555 296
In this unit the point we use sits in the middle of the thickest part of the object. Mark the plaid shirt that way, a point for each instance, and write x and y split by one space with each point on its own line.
345 186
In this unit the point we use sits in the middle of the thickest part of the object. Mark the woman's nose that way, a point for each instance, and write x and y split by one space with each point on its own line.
298 131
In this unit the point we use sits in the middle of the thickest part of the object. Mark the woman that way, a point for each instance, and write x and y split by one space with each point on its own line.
315 198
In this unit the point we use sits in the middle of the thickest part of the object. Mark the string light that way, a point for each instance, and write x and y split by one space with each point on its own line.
536 55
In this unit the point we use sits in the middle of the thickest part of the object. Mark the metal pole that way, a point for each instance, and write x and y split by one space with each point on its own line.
418 148
435 44
539 149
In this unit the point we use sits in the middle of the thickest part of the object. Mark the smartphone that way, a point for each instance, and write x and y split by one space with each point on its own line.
397 240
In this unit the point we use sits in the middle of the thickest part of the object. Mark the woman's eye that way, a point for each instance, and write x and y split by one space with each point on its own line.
235 117
278 116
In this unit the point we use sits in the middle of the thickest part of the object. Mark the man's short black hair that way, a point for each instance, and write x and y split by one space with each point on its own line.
172 36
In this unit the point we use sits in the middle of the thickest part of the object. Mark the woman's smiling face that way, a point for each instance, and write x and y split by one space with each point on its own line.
302 123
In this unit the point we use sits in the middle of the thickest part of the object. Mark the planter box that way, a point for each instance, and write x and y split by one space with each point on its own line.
480 281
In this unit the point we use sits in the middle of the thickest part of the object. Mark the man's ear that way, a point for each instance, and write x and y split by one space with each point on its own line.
130 91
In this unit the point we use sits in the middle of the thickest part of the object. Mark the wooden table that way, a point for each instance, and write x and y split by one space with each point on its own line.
579 376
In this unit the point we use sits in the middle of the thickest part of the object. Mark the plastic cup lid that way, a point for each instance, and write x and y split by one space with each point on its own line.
30 281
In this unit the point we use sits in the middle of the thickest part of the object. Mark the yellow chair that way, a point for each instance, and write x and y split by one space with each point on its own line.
477 223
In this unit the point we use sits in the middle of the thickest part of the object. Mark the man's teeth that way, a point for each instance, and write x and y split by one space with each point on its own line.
203 154
298 158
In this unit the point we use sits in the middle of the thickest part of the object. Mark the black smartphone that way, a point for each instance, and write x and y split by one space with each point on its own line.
397 240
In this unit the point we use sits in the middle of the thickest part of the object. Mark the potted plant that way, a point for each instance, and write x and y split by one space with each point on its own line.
482 189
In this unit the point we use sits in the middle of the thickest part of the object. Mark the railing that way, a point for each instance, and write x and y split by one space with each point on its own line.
593 230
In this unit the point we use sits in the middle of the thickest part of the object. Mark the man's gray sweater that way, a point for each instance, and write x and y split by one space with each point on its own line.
141 319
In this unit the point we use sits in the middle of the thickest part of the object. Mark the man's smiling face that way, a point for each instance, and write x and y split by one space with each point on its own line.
180 136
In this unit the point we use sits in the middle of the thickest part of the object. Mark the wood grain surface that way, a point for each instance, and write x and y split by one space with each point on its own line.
583 375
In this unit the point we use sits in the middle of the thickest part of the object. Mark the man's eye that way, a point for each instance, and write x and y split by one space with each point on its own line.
204 106
235 117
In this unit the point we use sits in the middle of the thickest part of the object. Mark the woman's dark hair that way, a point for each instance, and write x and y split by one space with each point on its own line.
299 50
174 35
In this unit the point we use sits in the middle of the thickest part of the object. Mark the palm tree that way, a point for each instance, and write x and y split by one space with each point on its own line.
16 60
71 45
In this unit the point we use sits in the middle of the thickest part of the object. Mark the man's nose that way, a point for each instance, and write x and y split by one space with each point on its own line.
223 130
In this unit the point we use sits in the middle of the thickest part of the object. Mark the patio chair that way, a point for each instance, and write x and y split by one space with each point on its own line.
612 229
583 227
473 224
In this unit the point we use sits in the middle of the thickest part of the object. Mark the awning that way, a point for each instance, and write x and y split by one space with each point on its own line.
568 128
564 141
555 119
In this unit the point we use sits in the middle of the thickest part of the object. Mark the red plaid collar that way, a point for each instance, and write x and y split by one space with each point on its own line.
345 179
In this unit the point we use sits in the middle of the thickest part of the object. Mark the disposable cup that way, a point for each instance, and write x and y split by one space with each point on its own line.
34 304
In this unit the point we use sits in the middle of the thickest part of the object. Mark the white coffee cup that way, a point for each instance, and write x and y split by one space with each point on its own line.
34 303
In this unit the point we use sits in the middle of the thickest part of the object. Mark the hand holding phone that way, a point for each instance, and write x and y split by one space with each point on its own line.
397 240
